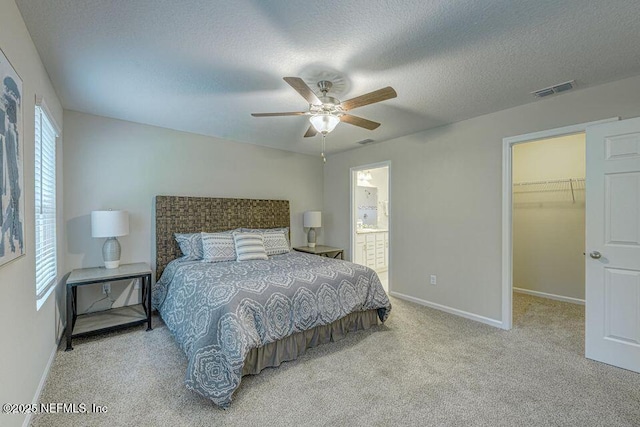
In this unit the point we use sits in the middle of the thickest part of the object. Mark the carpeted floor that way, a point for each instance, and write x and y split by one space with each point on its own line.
423 367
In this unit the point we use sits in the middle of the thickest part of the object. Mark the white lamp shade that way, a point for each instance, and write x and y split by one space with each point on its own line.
324 123
109 223
312 219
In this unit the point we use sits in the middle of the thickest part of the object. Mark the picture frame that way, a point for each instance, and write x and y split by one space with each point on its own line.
12 215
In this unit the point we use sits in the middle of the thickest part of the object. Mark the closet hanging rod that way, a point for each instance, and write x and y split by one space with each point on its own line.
553 181
558 185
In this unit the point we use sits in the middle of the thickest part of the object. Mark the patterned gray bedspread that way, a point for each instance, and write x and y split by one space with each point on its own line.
219 311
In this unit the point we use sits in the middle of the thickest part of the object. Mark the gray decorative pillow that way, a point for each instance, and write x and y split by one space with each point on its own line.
218 247
250 246
275 243
190 245
284 230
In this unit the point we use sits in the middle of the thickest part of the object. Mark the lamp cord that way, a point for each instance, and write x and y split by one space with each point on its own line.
108 296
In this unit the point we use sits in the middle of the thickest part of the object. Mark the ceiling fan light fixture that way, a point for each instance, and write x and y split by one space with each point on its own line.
324 123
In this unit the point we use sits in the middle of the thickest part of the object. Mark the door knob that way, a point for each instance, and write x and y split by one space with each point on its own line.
595 255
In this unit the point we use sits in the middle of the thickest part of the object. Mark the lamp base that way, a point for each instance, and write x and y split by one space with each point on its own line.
112 264
311 238
111 253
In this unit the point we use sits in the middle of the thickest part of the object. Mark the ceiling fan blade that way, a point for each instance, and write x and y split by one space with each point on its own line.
311 132
301 87
359 121
292 113
369 98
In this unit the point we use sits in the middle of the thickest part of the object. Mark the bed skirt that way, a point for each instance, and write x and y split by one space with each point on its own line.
293 346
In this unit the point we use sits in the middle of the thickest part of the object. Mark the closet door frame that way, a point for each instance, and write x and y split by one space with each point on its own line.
507 206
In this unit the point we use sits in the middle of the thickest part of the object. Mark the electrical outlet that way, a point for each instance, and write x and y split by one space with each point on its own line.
433 279
106 288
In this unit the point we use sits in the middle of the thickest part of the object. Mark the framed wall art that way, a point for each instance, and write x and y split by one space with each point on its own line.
11 164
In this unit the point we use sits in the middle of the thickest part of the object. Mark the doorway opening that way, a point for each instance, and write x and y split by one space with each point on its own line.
512 194
370 218
548 226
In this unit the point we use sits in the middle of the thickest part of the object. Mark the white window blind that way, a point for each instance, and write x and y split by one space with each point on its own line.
45 207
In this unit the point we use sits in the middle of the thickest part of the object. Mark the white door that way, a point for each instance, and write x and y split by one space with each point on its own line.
613 244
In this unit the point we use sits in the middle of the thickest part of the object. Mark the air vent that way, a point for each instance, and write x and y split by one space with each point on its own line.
542 93
365 141
562 87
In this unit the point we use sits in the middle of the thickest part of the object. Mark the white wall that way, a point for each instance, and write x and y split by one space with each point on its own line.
445 188
29 336
549 226
122 165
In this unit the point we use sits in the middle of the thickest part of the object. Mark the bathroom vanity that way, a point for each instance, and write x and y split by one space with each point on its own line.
372 248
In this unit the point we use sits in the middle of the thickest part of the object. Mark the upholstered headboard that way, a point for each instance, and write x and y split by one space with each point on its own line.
177 214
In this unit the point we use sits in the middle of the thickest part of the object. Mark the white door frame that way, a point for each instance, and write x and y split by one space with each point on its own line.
507 205
353 180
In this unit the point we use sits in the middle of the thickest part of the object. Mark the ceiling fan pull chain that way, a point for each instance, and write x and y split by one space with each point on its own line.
324 159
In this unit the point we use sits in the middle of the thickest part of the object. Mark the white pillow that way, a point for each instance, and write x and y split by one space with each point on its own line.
249 246
275 243
218 247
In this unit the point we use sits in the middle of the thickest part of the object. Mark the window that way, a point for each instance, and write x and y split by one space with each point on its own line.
45 207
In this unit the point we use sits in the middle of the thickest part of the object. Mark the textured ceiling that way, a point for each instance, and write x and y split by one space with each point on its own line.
203 66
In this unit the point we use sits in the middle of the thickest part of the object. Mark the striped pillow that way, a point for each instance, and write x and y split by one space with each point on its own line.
218 247
249 246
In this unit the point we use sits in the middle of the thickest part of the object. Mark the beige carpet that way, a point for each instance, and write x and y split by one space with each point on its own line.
423 367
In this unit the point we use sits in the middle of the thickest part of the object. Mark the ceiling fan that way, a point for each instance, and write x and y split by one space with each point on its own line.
326 111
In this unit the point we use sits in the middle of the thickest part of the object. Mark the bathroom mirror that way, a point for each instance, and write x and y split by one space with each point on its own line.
367 206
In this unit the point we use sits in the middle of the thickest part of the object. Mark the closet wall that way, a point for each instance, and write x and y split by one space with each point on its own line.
549 216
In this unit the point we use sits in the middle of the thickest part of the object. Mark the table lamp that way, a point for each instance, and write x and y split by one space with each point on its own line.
313 220
110 224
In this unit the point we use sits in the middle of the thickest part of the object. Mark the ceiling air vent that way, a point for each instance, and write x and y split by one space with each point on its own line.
562 87
365 141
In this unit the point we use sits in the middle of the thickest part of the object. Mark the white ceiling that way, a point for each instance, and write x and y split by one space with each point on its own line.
203 66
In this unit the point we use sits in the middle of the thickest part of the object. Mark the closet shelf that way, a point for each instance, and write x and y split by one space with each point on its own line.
558 185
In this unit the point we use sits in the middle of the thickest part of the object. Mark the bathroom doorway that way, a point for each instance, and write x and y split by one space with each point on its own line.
370 218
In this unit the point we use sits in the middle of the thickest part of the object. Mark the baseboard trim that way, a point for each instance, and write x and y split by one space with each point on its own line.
549 296
43 379
471 316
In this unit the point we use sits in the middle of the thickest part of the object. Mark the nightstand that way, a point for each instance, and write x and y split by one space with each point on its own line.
115 318
327 251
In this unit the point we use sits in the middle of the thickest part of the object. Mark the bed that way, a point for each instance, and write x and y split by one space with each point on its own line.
236 318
